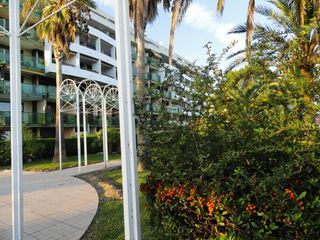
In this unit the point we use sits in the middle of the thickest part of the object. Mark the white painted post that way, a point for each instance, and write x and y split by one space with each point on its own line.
16 124
127 124
104 131
78 131
85 152
60 134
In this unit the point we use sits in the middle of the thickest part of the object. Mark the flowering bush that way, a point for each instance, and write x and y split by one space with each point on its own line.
189 212
250 151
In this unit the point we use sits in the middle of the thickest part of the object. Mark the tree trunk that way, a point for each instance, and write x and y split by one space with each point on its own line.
174 20
58 58
139 83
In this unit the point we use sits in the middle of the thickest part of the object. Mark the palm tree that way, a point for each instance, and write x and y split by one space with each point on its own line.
249 23
142 12
296 39
179 8
60 30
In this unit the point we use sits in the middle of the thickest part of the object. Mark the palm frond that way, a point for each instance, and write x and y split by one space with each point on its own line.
237 62
238 29
220 7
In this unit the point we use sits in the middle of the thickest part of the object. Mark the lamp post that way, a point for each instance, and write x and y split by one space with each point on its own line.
127 124
16 125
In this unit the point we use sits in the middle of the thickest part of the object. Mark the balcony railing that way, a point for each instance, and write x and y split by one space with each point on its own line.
48 120
134 56
27 61
6 3
154 77
29 90
32 36
153 62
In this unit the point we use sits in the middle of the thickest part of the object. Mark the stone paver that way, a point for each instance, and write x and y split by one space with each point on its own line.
56 204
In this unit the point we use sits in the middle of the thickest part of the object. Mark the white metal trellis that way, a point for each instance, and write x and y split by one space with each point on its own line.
92 103
94 100
131 207
110 103
70 97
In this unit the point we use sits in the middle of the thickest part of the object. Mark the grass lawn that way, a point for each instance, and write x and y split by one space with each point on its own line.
108 223
48 165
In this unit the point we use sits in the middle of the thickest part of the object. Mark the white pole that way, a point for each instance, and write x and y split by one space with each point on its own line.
16 124
78 131
104 132
60 134
127 125
85 152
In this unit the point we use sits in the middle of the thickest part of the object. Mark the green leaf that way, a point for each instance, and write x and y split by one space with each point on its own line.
273 226
297 216
302 195
221 223
224 213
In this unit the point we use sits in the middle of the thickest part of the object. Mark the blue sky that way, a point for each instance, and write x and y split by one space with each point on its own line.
200 26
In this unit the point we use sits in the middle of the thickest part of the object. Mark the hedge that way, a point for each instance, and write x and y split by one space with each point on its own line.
37 149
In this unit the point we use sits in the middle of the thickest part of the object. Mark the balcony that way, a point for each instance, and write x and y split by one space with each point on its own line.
48 120
30 91
155 63
134 56
134 73
31 36
5 3
27 61
154 77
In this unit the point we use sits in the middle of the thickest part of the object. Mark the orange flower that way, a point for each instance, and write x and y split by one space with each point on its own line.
210 205
251 208
291 194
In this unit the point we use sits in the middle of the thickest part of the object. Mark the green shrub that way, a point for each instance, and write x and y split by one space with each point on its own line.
255 145
36 149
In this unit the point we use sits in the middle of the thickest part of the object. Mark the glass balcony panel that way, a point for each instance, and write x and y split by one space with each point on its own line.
4 56
31 35
32 90
33 119
27 61
154 76
5 118
51 92
69 119
33 63
153 62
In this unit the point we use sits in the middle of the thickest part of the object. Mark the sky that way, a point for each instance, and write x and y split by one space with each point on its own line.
200 25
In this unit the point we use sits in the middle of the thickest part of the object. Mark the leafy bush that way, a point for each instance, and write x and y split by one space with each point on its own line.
249 140
35 149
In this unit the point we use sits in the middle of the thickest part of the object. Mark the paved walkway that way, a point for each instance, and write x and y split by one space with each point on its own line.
56 204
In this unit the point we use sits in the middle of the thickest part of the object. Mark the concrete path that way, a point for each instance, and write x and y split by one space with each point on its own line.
56 204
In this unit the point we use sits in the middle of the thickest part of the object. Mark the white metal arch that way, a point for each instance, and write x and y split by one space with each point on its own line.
95 99
69 98
91 103
110 100
111 95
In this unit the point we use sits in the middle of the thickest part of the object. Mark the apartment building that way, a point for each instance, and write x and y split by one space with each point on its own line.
94 59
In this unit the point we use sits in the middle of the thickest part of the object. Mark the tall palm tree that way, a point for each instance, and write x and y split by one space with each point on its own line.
249 23
295 40
60 30
178 9
142 12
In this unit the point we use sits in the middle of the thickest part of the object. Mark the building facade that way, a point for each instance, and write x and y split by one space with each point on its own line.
94 59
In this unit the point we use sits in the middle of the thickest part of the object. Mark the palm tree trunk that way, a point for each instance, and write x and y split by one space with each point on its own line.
59 121
140 65
250 19
174 20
